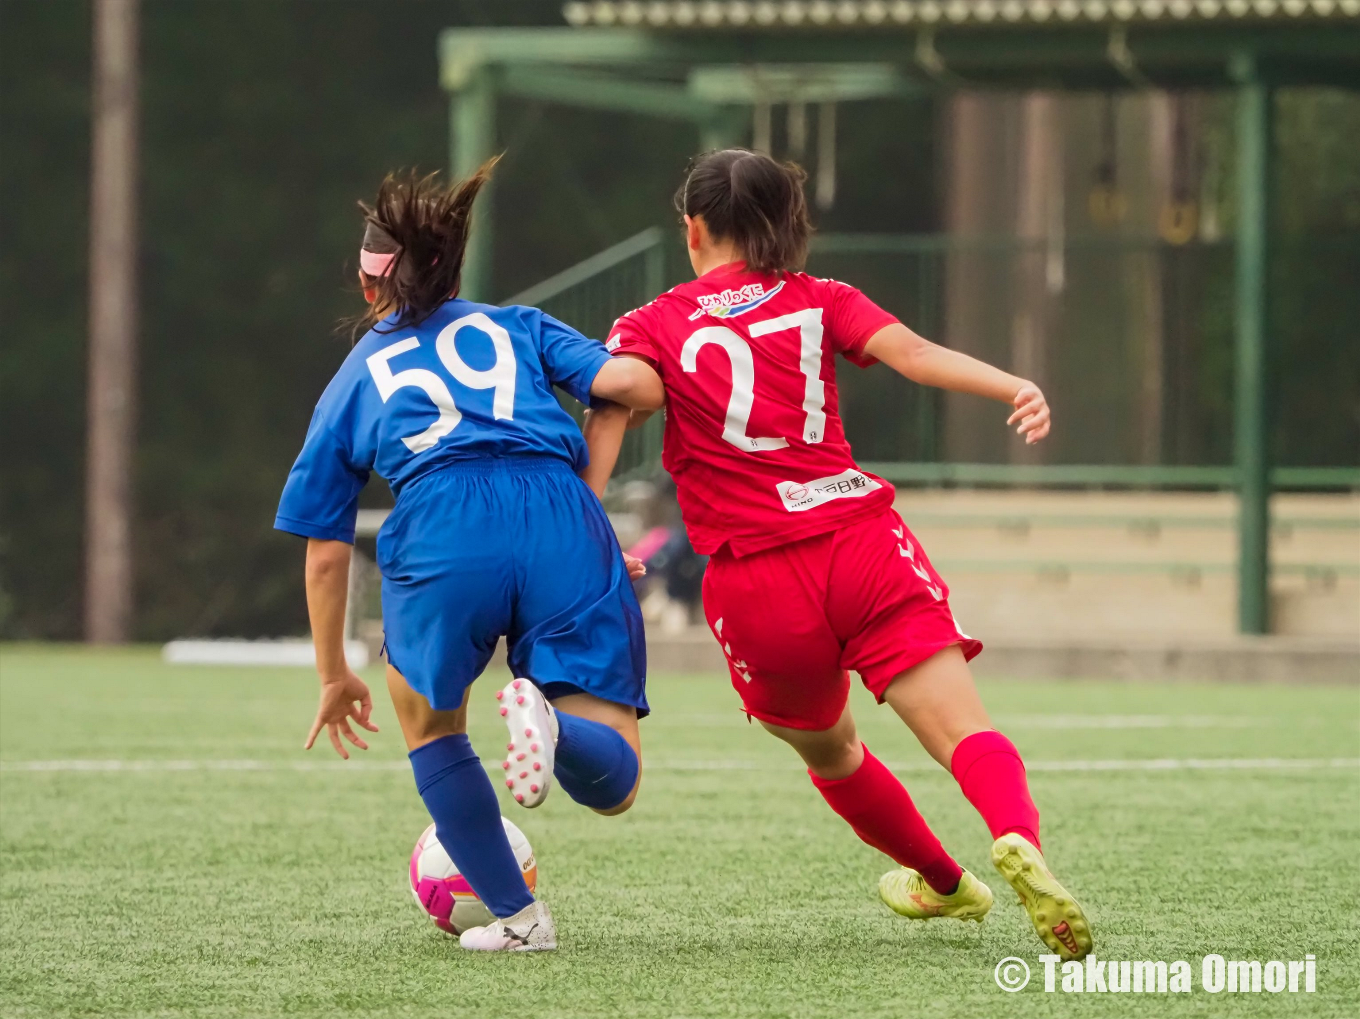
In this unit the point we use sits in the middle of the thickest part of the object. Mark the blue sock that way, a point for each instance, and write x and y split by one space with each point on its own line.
467 817
594 764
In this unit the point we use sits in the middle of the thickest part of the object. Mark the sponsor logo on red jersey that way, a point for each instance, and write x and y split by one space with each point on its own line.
730 303
800 496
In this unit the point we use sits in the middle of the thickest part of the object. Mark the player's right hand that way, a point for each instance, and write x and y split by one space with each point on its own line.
637 569
339 698
1031 411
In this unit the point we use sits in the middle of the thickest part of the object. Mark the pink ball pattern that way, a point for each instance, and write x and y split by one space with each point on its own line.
444 893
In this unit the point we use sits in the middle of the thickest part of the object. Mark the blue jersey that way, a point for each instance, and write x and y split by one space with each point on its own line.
472 382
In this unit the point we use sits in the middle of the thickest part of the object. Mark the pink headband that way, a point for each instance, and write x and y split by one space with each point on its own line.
375 263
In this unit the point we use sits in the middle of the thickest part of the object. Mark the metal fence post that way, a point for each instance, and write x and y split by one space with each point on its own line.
472 136
1255 101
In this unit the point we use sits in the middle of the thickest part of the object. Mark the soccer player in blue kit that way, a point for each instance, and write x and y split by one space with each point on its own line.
493 534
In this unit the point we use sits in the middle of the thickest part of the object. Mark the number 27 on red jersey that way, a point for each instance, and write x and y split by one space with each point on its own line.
808 322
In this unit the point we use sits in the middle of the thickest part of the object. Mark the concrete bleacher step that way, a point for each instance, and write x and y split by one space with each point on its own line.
1232 660
1095 565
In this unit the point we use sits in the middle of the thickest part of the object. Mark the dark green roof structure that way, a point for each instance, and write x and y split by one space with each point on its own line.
833 14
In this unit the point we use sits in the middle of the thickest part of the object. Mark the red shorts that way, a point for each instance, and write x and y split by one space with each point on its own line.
793 619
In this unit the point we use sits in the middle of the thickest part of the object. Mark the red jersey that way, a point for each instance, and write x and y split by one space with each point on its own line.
753 435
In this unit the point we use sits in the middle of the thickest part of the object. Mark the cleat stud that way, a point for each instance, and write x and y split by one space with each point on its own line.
509 783
533 747
504 712
505 765
529 733
500 695
523 774
538 766
519 797
519 699
515 685
533 789
519 757
509 746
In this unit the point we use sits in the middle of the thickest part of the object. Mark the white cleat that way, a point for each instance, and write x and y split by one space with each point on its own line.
533 741
530 930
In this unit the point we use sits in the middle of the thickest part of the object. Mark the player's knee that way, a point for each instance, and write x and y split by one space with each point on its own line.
835 760
624 805
619 809
829 753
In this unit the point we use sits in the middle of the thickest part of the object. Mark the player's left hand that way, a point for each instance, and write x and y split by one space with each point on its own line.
1031 410
637 569
339 698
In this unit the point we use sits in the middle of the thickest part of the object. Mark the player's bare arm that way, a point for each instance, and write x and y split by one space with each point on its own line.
344 695
630 382
930 364
635 392
603 429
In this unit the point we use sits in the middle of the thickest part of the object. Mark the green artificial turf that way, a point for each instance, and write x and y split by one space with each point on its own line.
729 889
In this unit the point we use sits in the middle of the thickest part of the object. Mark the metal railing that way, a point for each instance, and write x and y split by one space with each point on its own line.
589 296
1130 336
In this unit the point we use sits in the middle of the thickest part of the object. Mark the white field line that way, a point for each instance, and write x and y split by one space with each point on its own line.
1134 764
1132 721
726 720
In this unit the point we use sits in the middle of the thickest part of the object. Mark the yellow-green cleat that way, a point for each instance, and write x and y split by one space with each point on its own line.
1057 918
905 891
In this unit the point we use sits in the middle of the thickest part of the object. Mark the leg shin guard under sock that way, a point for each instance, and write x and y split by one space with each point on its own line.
467 817
877 806
991 774
594 765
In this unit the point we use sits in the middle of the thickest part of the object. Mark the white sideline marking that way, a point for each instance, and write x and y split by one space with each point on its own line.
203 765
1132 721
1135 764
732 719
256 652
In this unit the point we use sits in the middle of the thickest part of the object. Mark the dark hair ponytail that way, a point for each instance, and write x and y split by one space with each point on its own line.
752 200
425 227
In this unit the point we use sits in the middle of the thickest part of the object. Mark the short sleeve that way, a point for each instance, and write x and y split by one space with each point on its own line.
321 496
629 335
572 360
851 319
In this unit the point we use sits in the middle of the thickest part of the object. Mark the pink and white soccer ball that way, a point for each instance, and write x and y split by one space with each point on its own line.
445 894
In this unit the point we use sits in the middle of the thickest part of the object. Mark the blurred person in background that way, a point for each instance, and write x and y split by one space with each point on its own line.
671 592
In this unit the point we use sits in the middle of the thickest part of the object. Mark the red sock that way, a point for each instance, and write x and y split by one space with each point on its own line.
989 771
877 807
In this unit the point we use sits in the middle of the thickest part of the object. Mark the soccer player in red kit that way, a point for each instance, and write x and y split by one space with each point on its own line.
812 573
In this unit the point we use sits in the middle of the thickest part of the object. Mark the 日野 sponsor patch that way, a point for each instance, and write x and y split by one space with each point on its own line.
729 303
798 496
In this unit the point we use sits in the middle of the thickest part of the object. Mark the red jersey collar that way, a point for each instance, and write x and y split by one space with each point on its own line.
728 269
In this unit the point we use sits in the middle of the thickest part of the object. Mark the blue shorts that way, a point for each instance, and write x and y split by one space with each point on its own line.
517 548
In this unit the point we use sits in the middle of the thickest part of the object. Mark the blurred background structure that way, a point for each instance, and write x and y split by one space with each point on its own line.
1152 208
